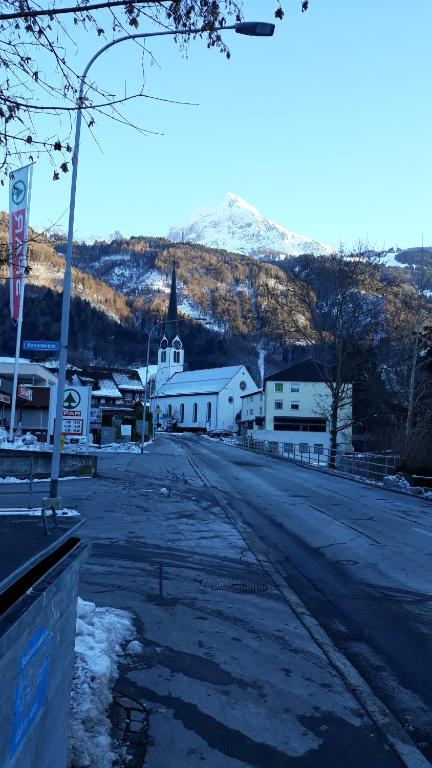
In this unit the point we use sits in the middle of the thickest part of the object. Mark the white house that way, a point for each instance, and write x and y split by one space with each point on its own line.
203 400
252 412
296 408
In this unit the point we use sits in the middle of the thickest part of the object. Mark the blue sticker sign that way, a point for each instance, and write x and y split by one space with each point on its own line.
32 685
41 346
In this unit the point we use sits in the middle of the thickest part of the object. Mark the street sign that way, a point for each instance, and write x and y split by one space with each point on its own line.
24 392
41 346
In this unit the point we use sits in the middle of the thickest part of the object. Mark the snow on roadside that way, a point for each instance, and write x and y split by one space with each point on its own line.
41 479
12 511
100 635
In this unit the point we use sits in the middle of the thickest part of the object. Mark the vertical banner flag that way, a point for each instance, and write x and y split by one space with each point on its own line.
19 201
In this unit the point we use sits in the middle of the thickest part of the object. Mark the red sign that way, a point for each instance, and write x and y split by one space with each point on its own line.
24 392
18 258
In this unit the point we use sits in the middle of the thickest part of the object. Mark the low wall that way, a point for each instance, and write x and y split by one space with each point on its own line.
20 463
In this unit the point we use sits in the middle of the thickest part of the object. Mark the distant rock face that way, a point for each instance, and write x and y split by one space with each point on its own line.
237 226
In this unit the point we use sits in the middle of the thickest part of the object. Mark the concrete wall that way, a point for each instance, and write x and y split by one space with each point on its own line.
18 463
37 635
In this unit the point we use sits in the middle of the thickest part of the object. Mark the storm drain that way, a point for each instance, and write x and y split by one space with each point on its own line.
235 585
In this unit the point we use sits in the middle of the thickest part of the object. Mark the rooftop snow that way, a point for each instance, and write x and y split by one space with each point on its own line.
204 382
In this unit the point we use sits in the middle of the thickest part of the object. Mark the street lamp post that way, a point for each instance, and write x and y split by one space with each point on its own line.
255 28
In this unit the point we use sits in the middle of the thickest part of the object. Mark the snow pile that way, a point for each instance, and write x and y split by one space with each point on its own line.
397 483
123 447
237 226
26 442
100 635
66 512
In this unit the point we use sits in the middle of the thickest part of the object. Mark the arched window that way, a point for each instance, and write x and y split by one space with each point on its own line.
195 412
208 417
176 356
163 356
170 410
181 412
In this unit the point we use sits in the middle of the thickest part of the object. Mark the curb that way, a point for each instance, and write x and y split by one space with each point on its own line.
388 725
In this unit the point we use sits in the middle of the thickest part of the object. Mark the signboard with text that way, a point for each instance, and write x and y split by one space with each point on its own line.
19 199
41 346
26 393
76 411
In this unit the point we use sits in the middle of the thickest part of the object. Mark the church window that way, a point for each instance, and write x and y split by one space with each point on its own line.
163 356
170 410
176 356
195 412
208 412
181 412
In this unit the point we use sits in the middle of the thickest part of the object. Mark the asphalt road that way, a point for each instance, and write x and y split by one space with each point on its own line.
359 557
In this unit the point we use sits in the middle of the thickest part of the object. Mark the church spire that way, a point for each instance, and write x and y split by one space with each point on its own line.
172 306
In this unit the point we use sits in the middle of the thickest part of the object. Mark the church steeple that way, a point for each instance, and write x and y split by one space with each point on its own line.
172 326
171 352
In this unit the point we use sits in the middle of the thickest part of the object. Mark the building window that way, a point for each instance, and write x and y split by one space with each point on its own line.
318 449
195 412
295 405
251 412
295 387
278 405
163 356
128 397
208 417
169 410
278 387
181 412
304 448
176 356
260 413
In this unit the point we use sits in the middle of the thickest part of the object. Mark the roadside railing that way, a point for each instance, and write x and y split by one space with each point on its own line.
367 466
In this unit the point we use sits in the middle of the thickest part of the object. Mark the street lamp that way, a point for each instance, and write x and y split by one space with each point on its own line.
255 28
158 325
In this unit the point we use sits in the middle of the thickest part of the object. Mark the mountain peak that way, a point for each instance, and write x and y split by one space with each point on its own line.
236 225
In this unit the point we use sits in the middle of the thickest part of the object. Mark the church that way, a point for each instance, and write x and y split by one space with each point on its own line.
195 401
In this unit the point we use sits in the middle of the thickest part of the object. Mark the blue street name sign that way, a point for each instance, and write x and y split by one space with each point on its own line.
41 346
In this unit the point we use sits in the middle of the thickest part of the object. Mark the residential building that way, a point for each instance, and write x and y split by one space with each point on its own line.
297 405
36 397
252 412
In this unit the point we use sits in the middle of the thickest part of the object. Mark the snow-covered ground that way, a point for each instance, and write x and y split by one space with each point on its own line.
100 636
12 511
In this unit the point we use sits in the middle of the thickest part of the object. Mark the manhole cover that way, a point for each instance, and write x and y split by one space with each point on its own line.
235 585
347 562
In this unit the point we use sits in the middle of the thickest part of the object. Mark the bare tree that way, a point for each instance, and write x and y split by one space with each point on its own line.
335 305
39 85
406 370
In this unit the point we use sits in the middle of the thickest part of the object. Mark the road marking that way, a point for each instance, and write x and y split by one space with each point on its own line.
397 738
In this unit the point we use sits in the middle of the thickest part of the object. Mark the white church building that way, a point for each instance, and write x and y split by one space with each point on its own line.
202 400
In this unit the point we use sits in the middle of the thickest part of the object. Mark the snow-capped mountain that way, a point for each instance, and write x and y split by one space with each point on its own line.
237 226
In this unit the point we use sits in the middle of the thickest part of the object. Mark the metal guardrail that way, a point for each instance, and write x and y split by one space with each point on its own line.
368 466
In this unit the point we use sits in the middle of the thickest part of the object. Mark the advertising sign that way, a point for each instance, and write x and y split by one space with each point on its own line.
26 393
19 200
126 430
76 411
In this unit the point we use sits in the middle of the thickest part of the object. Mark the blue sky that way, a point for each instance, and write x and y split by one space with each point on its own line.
325 128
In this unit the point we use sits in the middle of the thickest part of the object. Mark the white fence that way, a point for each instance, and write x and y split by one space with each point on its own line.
368 466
